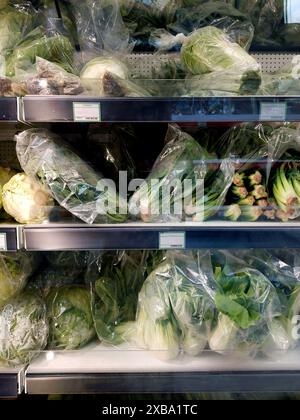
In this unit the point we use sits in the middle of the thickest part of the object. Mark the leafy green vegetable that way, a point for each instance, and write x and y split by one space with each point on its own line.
79 190
115 296
70 317
56 48
210 50
24 329
15 269
175 312
15 21
181 159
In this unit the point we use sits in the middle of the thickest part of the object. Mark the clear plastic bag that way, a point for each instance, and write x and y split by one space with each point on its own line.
23 329
70 318
251 319
15 269
100 27
72 182
161 197
47 78
217 13
115 281
175 312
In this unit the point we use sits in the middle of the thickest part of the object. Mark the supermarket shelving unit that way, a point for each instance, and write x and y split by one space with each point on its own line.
104 371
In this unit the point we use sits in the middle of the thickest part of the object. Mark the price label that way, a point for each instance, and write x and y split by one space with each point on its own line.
3 242
87 112
172 240
273 111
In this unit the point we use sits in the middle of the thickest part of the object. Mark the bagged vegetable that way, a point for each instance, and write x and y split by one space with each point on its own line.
175 312
115 294
251 318
16 19
15 269
108 76
27 200
70 318
72 182
162 195
49 79
23 329
52 46
286 81
99 27
216 13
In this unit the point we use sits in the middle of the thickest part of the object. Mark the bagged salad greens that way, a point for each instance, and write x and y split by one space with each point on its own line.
115 283
72 182
181 159
15 269
175 311
23 329
70 318
250 317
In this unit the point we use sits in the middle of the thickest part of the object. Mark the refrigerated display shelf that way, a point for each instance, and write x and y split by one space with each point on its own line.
103 370
37 109
8 109
212 235
10 238
11 382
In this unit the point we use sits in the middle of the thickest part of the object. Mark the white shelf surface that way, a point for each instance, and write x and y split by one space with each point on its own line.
98 359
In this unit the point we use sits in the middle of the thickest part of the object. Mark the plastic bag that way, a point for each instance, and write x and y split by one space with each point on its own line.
47 79
111 148
175 312
251 318
70 318
217 13
100 27
177 173
23 329
52 46
72 182
115 286
15 269
16 20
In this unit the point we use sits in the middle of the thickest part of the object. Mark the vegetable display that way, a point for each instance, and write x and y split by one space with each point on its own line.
23 329
72 182
70 318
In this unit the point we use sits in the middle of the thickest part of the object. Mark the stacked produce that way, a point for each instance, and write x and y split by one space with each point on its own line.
74 48
171 304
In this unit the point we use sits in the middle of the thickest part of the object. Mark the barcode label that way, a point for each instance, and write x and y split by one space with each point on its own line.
3 242
87 112
172 240
273 112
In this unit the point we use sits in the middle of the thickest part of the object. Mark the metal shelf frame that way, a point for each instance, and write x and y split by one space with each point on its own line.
12 382
8 109
38 109
241 382
131 237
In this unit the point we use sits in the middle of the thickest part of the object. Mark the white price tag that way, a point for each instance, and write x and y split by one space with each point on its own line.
172 240
273 112
87 112
3 242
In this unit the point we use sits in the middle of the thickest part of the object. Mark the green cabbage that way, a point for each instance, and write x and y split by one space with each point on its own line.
70 317
23 329
209 50
26 199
